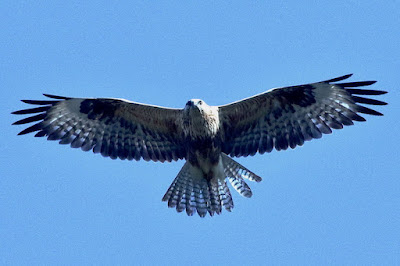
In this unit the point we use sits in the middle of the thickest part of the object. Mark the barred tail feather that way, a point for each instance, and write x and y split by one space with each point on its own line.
178 188
236 168
192 192
236 174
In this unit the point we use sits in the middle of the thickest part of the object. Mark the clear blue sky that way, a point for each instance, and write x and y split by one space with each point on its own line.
335 200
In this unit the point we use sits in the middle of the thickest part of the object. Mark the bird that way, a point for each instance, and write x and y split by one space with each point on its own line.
206 137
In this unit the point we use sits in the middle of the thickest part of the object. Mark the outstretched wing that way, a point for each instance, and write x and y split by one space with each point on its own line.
113 127
286 117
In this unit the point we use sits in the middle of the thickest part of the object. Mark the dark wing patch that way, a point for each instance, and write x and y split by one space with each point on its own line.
287 117
115 128
98 109
298 95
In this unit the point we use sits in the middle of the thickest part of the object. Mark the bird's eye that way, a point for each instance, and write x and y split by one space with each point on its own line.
200 102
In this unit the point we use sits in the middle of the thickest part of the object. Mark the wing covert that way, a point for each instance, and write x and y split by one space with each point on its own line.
113 127
286 117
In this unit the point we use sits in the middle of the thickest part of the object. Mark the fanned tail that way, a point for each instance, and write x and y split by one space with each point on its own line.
192 192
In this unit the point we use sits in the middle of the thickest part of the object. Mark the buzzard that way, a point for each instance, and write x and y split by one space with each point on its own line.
205 136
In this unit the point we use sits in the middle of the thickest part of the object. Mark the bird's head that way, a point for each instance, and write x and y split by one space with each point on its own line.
196 106
202 119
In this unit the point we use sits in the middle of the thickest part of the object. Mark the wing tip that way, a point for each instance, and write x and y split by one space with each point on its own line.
338 78
52 96
47 102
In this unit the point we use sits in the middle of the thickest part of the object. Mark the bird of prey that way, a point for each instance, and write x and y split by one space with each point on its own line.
205 136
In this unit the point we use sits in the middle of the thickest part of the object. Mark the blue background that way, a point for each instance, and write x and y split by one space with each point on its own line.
335 200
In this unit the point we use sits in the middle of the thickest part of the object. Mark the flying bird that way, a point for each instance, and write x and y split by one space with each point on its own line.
207 137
